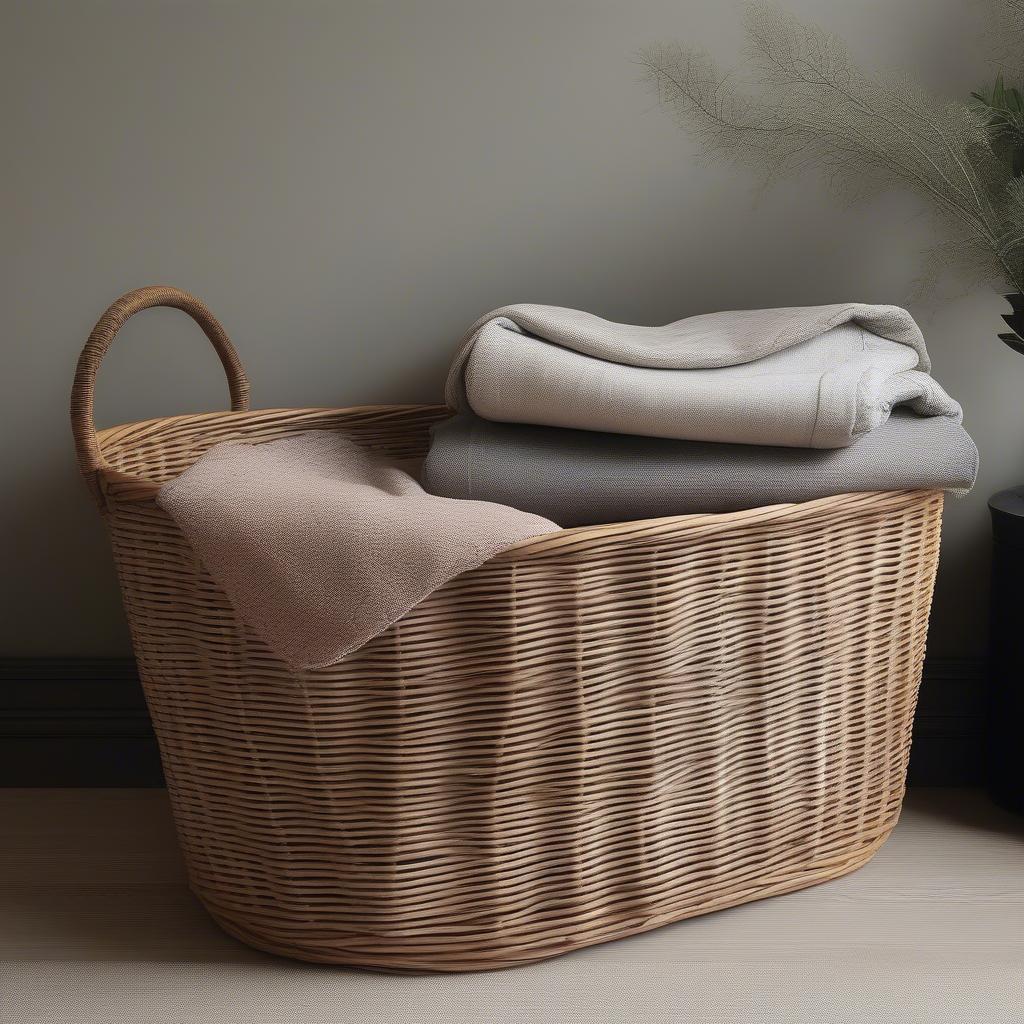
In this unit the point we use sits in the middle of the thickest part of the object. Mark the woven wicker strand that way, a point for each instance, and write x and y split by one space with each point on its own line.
90 457
594 734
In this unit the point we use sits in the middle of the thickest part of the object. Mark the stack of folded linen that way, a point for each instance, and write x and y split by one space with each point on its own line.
580 420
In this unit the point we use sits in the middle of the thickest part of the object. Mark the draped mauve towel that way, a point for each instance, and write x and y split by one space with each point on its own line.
319 546
578 477
803 377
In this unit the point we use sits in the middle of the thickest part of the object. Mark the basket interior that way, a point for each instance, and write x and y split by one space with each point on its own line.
159 450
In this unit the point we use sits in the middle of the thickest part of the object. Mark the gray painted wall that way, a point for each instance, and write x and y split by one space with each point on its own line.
348 185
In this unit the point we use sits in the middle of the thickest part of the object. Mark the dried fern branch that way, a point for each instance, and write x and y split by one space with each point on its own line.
811 108
1006 35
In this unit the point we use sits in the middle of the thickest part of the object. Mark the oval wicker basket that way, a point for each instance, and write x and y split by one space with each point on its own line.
595 733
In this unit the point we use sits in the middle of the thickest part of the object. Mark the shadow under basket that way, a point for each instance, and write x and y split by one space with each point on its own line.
595 733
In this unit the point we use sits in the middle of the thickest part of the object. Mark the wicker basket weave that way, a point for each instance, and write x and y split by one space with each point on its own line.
593 734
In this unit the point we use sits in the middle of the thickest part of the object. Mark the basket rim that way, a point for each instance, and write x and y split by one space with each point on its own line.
126 488
131 487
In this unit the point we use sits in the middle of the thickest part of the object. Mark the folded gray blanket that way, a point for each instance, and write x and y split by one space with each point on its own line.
808 376
579 478
319 546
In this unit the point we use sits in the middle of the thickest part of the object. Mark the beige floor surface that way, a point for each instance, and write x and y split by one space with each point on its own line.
97 925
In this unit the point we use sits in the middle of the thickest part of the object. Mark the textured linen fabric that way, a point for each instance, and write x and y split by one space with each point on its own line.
578 478
807 376
319 546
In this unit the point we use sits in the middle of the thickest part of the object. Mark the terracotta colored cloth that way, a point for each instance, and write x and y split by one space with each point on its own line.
320 546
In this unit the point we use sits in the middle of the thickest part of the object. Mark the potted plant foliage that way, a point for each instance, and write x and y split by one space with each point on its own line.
807 105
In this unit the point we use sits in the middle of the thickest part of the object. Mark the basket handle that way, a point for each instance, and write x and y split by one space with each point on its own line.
83 424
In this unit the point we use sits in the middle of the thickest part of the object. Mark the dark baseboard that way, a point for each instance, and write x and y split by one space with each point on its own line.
83 722
75 722
949 727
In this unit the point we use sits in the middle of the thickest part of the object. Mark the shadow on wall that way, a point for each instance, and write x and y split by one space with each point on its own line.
71 604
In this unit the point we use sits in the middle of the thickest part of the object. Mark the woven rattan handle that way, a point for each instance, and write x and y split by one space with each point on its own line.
83 424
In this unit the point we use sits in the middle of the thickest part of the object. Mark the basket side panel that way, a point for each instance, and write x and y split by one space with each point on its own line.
549 751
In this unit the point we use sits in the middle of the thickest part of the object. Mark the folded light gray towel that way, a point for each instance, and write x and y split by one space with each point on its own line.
806 376
579 478
319 545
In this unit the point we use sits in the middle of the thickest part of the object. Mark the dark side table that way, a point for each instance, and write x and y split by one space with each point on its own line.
1005 744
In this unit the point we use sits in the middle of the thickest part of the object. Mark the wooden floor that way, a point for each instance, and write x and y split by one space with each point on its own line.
96 924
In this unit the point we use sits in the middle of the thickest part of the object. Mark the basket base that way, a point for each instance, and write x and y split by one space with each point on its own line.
485 955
